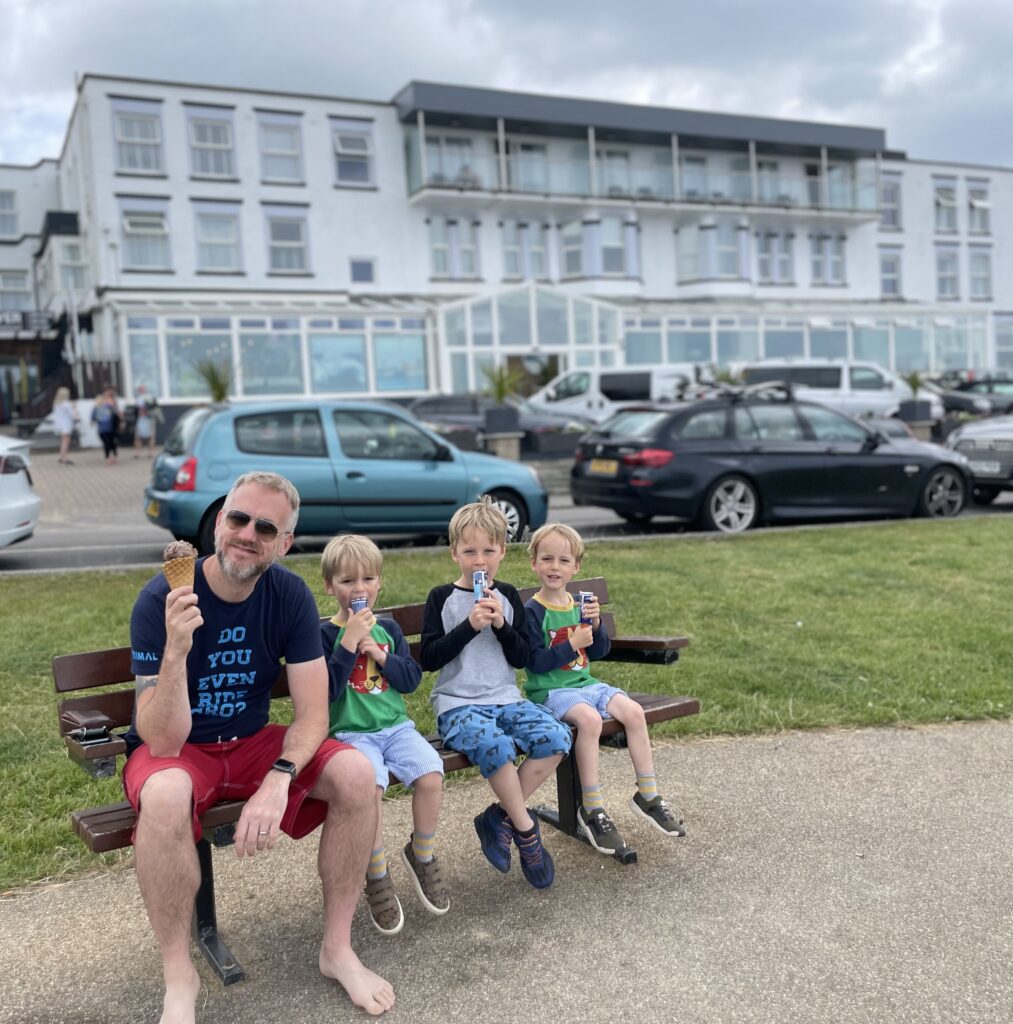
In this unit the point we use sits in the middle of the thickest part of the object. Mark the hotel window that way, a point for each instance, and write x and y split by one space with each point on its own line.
439 246
137 130
511 249
218 243
947 274
727 240
467 248
280 148
768 181
827 263
615 172
980 266
889 273
889 203
571 244
535 246
774 258
211 142
836 262
687 245
71 265
449 161
946 206
353 152
287 245
694 177
145 235
8 213
979 209
613 249
453 247
14 292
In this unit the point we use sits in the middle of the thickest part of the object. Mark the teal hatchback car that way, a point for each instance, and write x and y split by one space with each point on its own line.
358 466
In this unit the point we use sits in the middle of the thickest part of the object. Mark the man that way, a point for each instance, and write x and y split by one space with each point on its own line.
206 658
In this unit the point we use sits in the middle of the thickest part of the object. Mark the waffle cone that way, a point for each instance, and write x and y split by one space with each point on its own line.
179 571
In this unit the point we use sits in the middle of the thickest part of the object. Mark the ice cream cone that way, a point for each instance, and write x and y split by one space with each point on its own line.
180 571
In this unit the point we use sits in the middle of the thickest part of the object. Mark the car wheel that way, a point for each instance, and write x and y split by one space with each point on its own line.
944 493
731 505
985 495
515 511
206 533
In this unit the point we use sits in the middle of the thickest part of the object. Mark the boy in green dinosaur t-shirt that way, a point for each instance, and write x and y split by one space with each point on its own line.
565 639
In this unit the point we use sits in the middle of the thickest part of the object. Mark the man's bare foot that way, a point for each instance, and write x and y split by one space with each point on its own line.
178 1006
364 988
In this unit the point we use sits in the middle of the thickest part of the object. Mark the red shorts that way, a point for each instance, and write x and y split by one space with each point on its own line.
234 770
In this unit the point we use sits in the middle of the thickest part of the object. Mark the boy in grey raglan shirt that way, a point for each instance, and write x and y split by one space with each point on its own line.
477 643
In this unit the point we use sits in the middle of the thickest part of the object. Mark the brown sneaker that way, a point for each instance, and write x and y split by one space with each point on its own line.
428 879
384 906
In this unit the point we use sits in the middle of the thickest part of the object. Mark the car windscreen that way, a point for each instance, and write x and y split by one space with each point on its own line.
183 435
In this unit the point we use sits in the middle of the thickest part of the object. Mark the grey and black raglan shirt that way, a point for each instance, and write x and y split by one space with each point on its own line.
475 666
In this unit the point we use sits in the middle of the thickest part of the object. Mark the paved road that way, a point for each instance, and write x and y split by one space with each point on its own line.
92 517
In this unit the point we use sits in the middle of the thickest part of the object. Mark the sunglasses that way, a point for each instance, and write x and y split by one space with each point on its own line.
237 520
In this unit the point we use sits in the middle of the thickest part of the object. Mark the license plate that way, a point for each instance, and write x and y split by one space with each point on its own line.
985 468
604 467
151 509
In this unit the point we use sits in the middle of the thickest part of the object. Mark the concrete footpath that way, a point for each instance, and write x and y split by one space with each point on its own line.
837 877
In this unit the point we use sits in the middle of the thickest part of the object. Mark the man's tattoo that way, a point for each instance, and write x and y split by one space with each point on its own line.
145 683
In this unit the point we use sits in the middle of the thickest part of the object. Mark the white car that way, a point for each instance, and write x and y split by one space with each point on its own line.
19 504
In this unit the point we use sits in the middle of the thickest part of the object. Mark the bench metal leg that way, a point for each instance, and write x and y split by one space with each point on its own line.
205 923
568 797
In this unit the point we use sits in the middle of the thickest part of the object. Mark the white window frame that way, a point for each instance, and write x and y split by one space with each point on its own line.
124 142
535 238
295 154
979 209
467 248
199 150
818 268
687 253
141 224
343 139
8 214
614 248
774 263
9 289
948 276
236 266
439 248
730 247
513 269
945 198
74 269
890 205
295 217
890 277
571 242
980 280
835 260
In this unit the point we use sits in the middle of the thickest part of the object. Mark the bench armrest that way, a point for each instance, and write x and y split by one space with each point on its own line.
96 757
647 650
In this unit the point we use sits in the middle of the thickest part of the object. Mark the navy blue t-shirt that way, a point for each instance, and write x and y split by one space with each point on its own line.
236 654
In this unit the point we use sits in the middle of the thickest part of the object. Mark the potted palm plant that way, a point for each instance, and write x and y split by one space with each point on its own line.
914 410
500 383
216 377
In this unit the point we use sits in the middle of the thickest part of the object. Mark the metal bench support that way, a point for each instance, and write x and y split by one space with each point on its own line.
205 923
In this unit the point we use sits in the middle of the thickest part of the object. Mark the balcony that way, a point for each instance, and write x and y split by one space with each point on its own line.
529 176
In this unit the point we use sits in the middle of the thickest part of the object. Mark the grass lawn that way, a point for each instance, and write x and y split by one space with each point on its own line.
898 623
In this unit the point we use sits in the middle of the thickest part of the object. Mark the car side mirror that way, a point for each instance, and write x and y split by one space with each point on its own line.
443 454
873 441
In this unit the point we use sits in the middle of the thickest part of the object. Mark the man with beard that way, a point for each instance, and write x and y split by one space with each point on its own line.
206 658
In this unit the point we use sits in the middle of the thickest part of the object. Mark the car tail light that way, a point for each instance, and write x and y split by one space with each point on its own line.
648 458
579 456
186 476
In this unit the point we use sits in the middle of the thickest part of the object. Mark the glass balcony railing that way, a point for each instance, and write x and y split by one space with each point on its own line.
533 174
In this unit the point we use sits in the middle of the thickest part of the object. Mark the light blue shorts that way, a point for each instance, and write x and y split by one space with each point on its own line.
401 751
597 695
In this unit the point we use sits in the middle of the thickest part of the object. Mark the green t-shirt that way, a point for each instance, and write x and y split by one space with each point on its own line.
368 703
554 628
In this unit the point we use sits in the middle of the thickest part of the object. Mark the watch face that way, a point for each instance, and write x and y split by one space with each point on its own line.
283 765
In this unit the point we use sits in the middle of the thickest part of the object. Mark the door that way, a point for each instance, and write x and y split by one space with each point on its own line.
391 475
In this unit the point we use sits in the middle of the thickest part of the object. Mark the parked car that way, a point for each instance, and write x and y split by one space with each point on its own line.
358 466
958 403
19 504
467 411
996 391
853 388
743 458
988 447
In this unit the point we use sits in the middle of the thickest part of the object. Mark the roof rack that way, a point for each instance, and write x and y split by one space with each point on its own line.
772 389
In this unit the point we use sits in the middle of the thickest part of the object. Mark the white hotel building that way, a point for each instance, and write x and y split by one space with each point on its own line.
329 246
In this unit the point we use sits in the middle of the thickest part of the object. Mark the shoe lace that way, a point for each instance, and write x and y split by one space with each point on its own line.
531 850
602 822
665 812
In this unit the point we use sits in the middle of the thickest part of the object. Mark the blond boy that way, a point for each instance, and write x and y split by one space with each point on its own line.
565 638
476 638
369 666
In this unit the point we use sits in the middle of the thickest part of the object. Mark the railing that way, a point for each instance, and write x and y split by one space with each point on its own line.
25 320
532 174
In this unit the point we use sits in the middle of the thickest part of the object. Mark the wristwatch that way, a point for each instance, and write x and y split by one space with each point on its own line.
282 765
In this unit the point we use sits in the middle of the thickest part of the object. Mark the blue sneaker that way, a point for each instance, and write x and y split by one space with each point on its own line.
495 835
535 860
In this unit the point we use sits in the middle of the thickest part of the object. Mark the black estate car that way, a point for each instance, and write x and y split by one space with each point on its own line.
745 457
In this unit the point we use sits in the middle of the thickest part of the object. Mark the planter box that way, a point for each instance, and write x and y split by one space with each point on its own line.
915 411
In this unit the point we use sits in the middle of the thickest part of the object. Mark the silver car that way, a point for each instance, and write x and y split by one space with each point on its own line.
988 446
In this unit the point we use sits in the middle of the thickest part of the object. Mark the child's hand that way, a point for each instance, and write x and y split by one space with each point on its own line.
495 607
581 637
373 650
357 629
481 615
592 611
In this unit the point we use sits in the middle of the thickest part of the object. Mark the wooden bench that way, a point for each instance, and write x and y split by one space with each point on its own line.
96 748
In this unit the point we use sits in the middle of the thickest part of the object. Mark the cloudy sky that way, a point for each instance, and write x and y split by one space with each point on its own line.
936 74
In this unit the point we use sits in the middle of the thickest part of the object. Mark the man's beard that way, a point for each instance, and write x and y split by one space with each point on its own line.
239 573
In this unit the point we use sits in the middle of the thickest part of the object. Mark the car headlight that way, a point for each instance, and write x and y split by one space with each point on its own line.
981 405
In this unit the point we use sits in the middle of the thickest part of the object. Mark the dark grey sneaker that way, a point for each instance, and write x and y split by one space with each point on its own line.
657 812
384 906
428 879
600 830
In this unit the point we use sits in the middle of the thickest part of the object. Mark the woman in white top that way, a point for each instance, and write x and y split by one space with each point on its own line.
64 418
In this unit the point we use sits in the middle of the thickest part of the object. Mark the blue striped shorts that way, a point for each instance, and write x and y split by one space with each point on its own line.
597 695
401 750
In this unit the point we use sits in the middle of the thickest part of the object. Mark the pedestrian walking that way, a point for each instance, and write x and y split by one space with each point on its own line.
64 420
106 416
145 422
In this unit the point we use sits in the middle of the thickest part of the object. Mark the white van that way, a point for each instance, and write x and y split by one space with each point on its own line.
596 393
854 388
